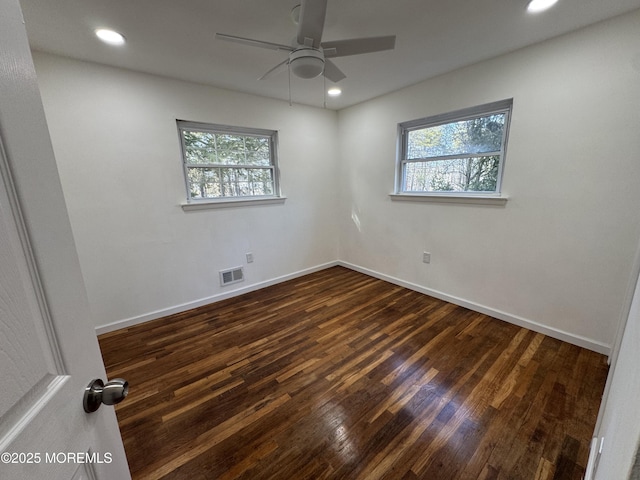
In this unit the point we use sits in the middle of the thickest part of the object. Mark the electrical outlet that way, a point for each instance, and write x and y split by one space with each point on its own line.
426 257
249 257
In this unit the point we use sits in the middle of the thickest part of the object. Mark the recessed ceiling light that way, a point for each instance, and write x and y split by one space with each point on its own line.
334 92
536 6
110 37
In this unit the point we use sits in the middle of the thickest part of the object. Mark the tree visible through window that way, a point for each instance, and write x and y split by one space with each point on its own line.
222 161
457 152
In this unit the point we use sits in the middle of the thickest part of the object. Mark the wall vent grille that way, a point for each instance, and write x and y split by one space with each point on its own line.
232 275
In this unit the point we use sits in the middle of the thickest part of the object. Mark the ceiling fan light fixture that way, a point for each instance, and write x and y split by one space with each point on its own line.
306 63
334 92
536 6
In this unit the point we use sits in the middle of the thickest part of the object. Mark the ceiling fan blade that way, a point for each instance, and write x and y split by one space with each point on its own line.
253 43
311 23
356 46
274 69
332 72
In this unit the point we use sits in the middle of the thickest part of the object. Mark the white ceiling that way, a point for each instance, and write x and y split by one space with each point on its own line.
176 38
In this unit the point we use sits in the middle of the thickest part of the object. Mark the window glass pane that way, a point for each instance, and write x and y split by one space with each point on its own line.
200 147
230 182
204 182
477 135
230 149
204 147
472 174
257 151
261 181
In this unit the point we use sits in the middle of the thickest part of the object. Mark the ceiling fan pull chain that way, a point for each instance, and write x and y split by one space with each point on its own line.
324 91
289 69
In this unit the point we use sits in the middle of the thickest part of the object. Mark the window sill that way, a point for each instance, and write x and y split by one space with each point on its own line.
495 200
230 203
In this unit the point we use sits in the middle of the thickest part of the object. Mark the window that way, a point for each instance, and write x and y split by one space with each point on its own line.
460 152
222 162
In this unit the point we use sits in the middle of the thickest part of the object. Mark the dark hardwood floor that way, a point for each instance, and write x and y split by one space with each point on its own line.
340 375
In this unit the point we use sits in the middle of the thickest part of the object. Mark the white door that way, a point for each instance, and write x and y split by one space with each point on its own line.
48 348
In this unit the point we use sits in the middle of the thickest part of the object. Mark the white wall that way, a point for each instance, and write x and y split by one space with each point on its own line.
115 138
557 256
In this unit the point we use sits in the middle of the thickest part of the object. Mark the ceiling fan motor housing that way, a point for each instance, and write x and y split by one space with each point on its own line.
306 62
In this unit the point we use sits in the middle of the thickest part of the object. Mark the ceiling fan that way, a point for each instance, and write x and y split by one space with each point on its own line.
309 56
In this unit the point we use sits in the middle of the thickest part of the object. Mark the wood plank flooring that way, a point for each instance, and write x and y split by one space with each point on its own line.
337 375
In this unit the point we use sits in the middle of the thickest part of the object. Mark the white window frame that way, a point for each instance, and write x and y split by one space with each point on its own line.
495 197
230 201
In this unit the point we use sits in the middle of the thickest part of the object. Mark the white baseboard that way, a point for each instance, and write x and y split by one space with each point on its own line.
514 319
130 322
507 317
